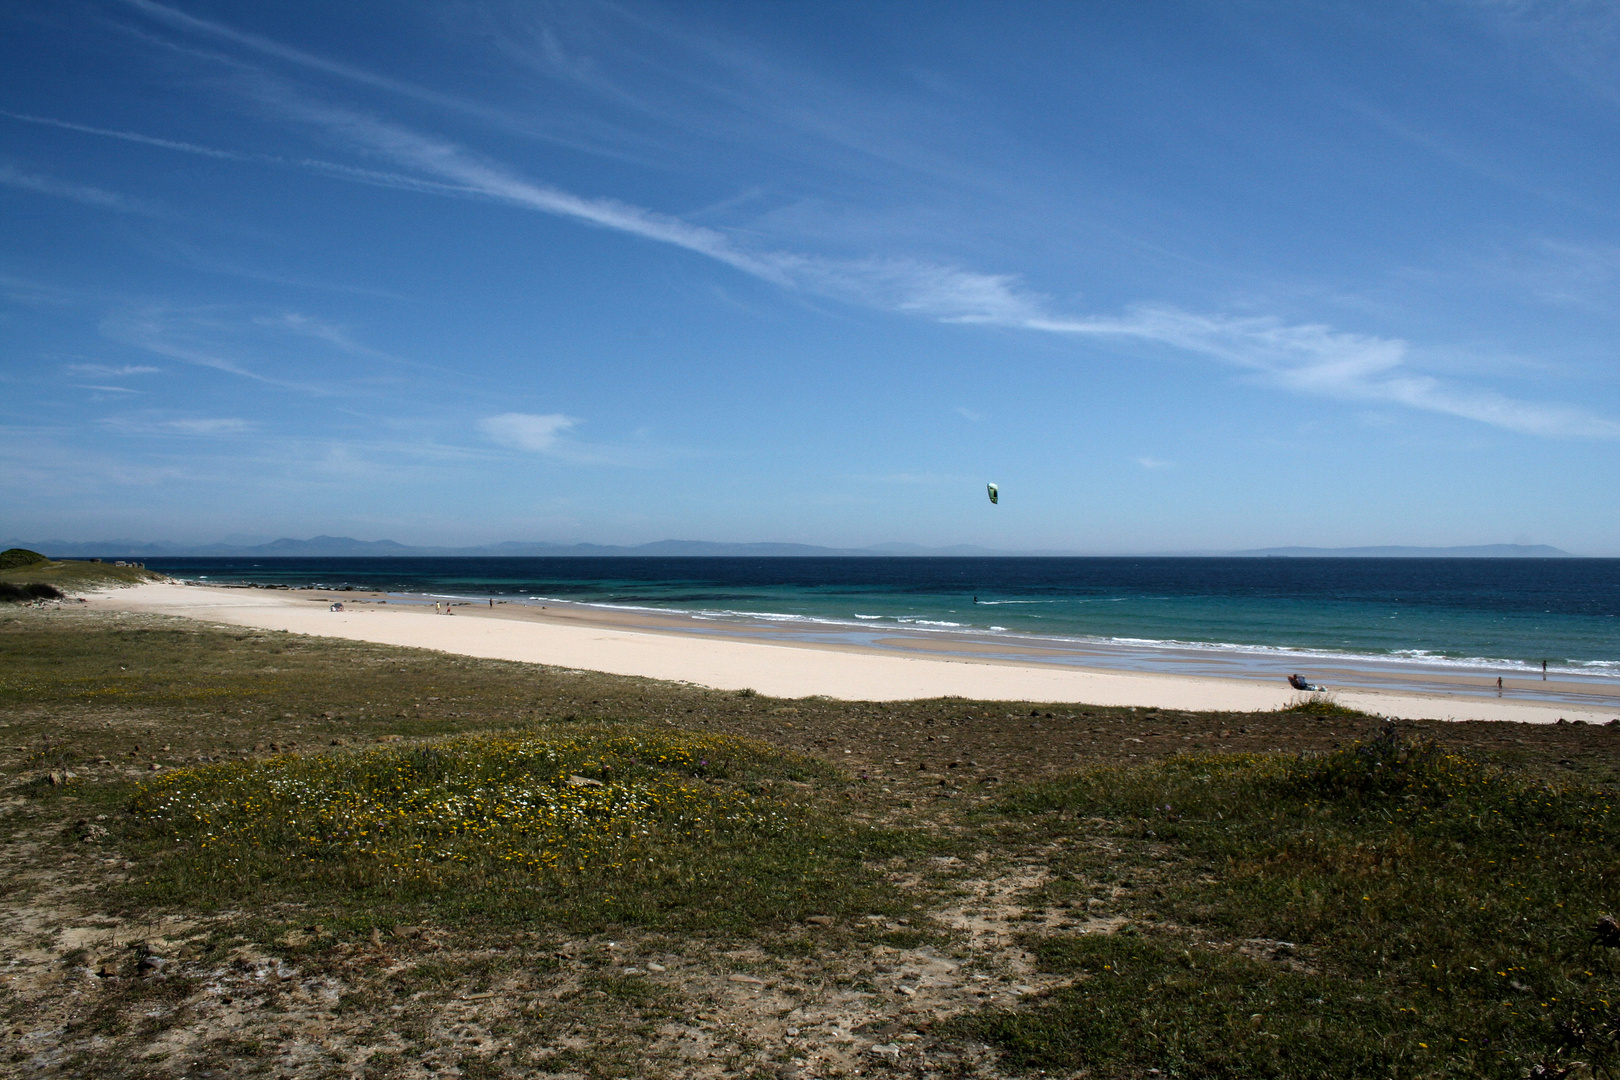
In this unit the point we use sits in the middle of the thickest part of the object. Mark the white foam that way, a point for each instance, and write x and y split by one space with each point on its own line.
1597 669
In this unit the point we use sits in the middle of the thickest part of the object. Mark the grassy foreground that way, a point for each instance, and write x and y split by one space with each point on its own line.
594 828
233 853
1401 911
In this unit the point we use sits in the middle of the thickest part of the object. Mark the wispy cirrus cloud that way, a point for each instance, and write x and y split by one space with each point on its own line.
269 47
132 136
1316 360
205 426
25 180
1309 359
111 370
106 389
265 347
472 173
189 339
213 425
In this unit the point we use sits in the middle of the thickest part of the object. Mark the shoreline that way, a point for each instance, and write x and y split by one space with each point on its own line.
779 660
1571 687
1592 682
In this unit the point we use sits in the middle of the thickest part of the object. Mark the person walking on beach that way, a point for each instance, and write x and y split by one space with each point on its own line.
1499 686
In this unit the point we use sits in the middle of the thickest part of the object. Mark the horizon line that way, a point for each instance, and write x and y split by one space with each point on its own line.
114 548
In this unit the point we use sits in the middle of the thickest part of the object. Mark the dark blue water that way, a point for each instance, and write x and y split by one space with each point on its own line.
1517 612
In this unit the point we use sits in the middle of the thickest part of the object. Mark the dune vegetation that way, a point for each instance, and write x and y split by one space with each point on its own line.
588 828
242 852
1403 909
30 575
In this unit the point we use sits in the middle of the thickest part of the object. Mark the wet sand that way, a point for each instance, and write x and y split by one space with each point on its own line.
793 660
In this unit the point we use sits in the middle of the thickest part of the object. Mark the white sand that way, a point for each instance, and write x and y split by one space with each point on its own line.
779 670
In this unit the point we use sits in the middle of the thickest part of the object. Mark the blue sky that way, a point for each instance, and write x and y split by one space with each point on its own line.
1175 276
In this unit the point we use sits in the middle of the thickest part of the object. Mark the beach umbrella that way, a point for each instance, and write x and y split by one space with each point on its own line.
995 493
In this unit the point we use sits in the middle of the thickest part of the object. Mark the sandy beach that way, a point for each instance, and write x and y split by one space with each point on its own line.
653 645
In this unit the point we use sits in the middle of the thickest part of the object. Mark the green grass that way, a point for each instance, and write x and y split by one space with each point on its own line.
12 558
1323 706
1212 860
74 575
1390 909
585 827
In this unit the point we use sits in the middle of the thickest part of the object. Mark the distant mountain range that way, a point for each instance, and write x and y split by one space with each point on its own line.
1478 551
339 546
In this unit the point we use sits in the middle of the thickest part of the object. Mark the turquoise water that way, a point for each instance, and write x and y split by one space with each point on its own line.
1497 614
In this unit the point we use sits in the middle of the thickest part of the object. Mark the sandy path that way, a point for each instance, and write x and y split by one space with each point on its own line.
780 670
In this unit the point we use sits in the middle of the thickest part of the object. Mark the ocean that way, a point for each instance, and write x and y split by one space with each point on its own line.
1185 614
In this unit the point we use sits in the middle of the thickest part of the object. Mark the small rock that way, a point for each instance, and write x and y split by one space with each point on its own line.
906 990
886 1051
655 967
746 980
584 781
819 920
150 965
